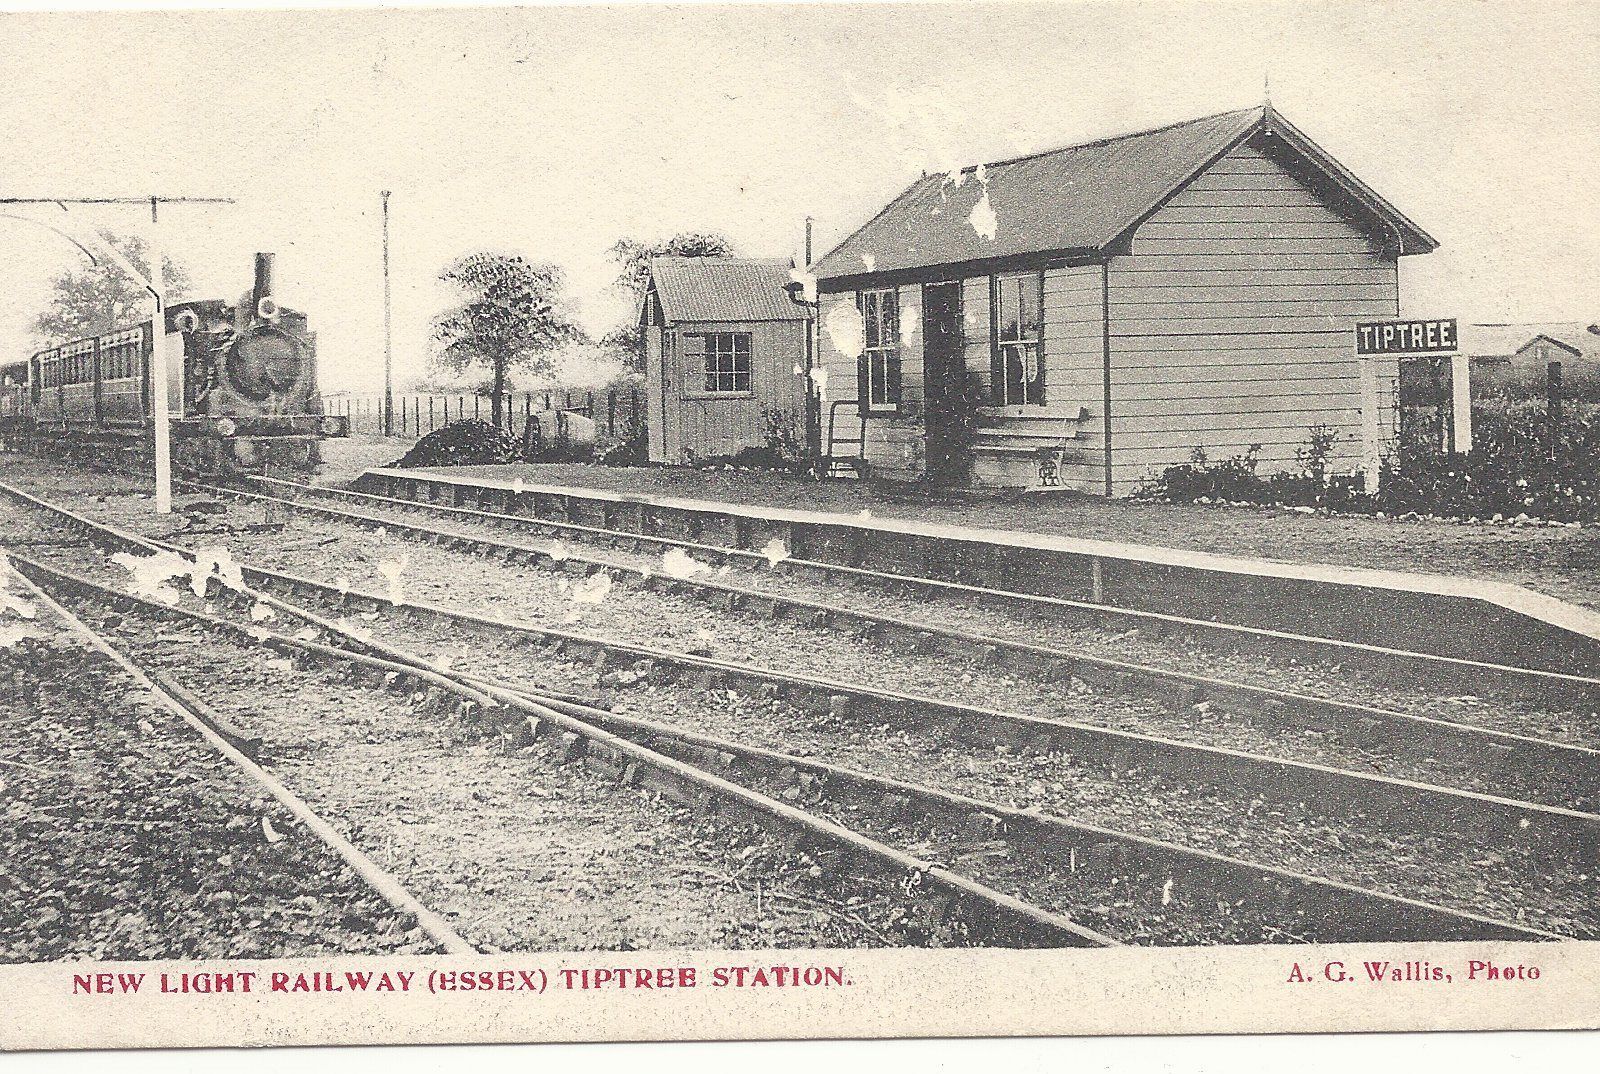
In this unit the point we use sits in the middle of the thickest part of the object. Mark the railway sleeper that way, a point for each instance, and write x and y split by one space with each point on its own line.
1314 651
1080 848
1581 828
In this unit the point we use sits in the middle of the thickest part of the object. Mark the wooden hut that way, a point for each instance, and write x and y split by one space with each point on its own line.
725 356
1086 316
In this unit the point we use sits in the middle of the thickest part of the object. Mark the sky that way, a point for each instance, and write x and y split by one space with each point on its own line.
552 132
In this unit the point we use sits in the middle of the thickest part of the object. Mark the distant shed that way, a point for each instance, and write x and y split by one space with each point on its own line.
725 347
1105 308
1502 353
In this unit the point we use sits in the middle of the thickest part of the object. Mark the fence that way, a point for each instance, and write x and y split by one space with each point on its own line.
616 412
1539 394
1427 406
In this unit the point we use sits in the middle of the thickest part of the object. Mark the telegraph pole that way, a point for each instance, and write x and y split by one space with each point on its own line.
155 283
388 341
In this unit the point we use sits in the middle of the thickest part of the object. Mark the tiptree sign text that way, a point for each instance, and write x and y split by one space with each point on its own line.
1406 337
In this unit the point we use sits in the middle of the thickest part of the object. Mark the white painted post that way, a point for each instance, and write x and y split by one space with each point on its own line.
1461 401
159 376
1371 430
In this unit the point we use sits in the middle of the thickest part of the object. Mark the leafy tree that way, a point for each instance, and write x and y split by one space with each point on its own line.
627 340
92 299
634 256
513 315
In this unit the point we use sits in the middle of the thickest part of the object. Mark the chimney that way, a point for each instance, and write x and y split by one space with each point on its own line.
263 287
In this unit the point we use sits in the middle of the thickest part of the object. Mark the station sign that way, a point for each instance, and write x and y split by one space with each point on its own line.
1407 337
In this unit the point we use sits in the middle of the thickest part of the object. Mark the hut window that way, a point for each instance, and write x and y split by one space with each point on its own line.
878 369
1017 361
727 362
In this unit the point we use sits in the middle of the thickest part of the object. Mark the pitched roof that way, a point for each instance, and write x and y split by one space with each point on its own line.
723 289
1078 199
1504 340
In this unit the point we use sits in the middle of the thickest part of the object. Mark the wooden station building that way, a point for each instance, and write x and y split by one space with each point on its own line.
725 353
1086 316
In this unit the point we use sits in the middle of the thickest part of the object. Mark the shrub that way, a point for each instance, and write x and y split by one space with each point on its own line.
1234 478
780 433
462 443
632 448
1519 466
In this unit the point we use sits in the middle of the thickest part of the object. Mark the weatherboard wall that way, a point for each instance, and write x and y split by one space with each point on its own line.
1232 323
895 444
1073 356
686 422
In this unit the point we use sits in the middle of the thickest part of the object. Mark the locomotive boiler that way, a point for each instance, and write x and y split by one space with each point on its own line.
243 398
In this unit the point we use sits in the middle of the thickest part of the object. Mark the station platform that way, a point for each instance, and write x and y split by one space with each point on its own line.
1463 618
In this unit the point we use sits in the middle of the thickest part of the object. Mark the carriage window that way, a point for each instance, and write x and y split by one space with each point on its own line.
1017 364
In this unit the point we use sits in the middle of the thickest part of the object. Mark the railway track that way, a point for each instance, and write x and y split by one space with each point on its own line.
983 915
1089 842
1384 665
1570 770
1002 917
241 750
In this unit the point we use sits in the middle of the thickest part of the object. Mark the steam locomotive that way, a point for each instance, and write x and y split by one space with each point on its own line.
243 399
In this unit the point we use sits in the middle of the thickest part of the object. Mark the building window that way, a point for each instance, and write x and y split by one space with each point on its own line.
1017 363
727 362
878 369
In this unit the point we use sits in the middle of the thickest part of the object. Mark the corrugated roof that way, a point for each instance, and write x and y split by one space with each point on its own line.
724 289
1078 198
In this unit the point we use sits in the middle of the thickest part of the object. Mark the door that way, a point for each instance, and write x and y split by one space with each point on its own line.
949 413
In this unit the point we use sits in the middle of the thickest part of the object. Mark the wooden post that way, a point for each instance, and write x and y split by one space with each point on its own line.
1436 389
1460 403
1552 387
1371 430
388 343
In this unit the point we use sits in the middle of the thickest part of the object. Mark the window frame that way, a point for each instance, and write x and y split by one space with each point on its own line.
884 355
698 383
1033 392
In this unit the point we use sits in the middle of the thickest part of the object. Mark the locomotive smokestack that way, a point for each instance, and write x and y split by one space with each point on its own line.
263 276
266 305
